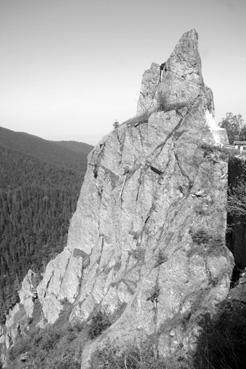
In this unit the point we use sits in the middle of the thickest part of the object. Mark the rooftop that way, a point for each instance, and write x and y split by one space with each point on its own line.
239 143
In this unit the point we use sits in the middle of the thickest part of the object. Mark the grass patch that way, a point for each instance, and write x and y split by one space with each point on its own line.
132 358
99 323
54 347
143 356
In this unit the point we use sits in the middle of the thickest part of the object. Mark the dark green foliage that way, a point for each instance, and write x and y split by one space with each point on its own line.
235 127
242 135
99 322
45 340
50 348
19 348
18 170
222 344
37 200
78 326
236 192
154 294
49 339
33 228
236 206
143 357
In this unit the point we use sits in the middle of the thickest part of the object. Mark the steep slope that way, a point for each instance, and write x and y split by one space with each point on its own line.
146 245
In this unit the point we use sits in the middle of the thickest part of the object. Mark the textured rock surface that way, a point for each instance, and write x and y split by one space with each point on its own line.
17 319
148 99
182 78
147 241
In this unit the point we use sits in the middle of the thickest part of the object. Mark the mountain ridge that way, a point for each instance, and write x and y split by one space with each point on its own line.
54 152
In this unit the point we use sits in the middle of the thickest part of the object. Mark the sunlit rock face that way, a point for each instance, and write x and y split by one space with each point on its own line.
151 216
18 318
147 241
148 98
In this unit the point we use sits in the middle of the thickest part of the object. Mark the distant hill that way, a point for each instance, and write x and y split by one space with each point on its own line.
40 182
59 153
18 170
75 146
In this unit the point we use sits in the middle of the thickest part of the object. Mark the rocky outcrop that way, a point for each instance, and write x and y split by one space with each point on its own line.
146 244
19 318
148 100
182 78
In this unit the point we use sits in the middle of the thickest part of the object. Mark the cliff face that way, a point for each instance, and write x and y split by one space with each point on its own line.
146 244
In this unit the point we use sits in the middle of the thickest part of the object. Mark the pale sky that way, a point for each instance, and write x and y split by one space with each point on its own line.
69 68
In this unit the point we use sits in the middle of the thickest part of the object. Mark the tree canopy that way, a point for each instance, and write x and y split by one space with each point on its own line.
37 200
235 126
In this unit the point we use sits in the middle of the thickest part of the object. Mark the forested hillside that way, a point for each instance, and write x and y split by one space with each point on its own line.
75 146
39 185
54 153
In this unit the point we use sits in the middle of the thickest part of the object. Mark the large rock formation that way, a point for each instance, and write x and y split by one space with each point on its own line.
146 244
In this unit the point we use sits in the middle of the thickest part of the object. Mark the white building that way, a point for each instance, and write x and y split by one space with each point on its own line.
240 145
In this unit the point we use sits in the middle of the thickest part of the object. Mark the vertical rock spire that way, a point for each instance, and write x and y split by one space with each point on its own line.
178 83
147 241
182 79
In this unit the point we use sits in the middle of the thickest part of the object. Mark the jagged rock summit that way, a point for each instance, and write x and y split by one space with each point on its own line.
146 244
181 80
